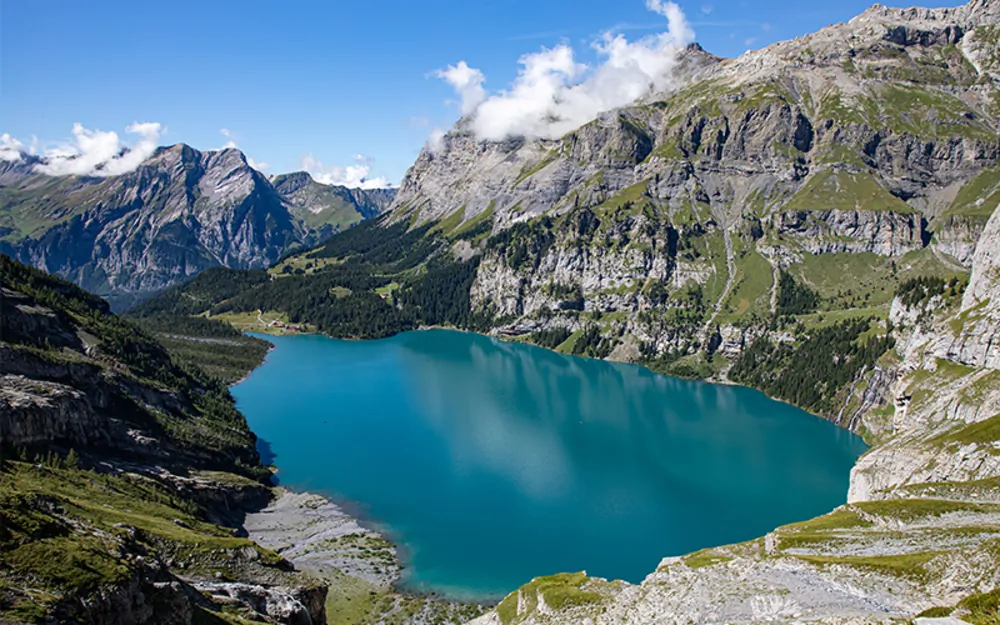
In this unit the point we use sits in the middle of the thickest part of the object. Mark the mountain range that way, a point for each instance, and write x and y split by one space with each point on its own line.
817 219
180 212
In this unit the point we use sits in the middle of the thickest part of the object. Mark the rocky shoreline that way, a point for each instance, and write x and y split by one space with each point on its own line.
919 536
317 535
360 567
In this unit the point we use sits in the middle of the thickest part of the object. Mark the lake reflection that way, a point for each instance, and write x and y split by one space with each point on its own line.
496 462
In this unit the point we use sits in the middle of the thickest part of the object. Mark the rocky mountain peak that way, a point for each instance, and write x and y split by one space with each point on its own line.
969 15
896 94
181 211
292 182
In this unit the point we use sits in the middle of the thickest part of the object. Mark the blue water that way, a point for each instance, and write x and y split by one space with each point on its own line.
490 463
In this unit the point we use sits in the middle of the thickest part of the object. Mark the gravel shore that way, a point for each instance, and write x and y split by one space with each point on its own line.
317 534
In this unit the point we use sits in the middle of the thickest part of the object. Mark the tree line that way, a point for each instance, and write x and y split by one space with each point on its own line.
811 372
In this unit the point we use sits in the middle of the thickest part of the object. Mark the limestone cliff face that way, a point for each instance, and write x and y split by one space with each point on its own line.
977 340
948 381
831 231
957 236
866 137
581 268
180 212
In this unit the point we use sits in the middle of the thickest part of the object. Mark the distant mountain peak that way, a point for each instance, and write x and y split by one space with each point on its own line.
180 211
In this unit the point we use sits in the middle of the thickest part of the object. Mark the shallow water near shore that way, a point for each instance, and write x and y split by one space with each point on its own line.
492 463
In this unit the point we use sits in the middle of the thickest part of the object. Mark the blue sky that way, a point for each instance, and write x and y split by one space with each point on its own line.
328 79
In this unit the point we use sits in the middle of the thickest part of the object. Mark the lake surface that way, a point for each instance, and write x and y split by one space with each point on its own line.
490 463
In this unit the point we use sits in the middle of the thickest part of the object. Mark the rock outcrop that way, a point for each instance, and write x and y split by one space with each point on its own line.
977 330
832 231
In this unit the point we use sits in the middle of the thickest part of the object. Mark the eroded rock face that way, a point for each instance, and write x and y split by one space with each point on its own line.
580 269
290 606
830 231
958 236
35 412
152 594
978 335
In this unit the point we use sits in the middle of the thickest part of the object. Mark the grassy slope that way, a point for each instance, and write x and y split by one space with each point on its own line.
66 533
978 198
334 211
218 348
29 212
830 189
849 281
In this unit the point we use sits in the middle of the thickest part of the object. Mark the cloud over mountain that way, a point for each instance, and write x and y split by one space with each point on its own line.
101 153
554 94
355 176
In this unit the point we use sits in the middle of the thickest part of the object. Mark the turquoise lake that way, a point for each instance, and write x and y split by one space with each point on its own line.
490 463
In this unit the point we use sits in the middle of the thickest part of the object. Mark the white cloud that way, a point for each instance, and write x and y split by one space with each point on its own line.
99 153
258 165
553 94
749 41
765 26
435 140
232 145
706 9
355 176
467 83
10 148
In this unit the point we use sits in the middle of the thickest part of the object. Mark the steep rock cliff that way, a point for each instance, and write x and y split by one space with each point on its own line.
666 224
977 340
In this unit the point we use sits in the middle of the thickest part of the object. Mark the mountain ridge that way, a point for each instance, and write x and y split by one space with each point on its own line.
178 213
830 64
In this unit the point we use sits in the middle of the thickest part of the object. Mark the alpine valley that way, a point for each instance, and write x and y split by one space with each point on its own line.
816 219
